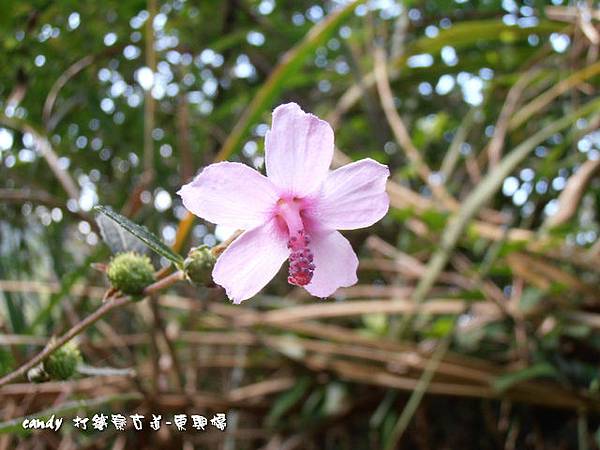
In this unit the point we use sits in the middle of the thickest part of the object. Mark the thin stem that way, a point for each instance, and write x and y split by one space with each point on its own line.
477 199
401 133
165 282
149 103
420 389
160 326
62 80
44 147
556 90
494 148
85 323
582 431
78 328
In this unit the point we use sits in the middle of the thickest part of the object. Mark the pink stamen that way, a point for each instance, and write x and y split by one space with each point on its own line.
301 266
301 260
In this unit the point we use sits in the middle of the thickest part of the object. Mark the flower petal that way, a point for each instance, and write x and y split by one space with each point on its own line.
299 150
353 196
335 263
250 262
230 194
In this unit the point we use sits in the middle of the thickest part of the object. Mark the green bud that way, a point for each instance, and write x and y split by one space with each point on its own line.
62 364
130 273
198 265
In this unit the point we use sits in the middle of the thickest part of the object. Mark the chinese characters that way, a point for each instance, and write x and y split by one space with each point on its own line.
101 422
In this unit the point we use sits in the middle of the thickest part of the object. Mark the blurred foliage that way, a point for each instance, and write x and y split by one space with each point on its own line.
75 91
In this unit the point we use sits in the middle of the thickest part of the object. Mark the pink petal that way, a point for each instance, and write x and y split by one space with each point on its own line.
250 262
353 196
299 150
230 194
335 263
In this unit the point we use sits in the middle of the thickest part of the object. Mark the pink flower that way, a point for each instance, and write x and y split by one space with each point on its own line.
292 213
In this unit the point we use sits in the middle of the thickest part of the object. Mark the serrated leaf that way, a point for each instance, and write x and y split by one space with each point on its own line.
118 239
143 234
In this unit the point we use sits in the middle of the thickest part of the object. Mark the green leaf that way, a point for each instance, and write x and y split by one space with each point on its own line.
530 298
472 34
7 361
287 400
376 323
142 233
14 305
435 220
117 238
441 327
504 382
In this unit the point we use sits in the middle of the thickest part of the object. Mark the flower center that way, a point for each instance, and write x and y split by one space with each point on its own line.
301 257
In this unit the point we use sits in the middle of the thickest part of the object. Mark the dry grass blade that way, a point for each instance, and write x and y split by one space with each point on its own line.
353 308
571 196
551 94
401 133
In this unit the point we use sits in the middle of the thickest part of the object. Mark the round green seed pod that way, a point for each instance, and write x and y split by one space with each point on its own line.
130 273
62 364
198 266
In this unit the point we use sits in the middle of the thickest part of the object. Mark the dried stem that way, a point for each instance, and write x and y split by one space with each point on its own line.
55 345
401 133
46 150
419 391
477 199
85 323
494 148
149 103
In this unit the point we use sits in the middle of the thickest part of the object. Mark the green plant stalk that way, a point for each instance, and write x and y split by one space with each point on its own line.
479 197
451 235
420 389
439 353
582 431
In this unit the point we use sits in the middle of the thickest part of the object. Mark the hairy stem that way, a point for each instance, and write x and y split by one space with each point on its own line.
85 323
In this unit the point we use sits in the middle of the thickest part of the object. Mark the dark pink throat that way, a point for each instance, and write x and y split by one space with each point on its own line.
301 267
